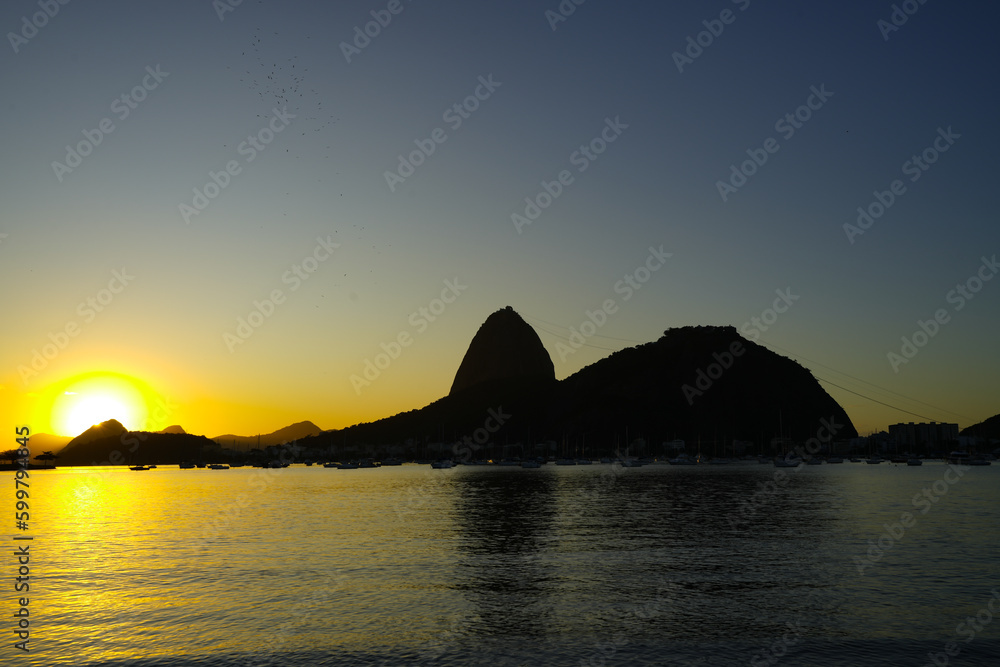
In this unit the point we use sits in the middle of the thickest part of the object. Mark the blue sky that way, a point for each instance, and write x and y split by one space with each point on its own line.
323 177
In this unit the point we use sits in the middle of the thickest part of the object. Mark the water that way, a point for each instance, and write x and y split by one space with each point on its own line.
588 565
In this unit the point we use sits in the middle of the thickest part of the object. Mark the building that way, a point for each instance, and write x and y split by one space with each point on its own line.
920 436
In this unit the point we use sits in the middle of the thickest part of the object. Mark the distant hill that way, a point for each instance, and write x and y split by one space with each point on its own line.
110 428
173 429
705 385
988 428
281 436
46 442
110 444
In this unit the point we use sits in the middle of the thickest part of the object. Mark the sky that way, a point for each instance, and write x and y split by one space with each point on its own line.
220 216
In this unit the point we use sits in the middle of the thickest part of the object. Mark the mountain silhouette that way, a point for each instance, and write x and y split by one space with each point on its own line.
173 429
110 428
111 445
988 428
706 385
505 348
289 433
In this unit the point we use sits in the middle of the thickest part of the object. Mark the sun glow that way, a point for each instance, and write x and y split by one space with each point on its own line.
81 402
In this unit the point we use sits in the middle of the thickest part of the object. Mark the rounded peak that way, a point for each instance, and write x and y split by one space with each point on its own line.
505 347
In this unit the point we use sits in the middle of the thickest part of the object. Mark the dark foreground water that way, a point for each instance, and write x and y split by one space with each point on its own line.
589 565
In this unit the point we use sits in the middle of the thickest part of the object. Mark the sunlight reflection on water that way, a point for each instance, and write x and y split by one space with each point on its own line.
314 566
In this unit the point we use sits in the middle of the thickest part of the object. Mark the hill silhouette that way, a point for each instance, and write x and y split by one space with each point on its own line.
704 384
988 428
289 433
111 443
504 348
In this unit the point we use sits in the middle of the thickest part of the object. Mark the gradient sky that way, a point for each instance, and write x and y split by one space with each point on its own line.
323 176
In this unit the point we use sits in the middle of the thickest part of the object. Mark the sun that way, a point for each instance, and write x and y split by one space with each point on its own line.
90 399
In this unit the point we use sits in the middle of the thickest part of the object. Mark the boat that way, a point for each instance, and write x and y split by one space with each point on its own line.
787 462
854 459
978 461
814 461
350 465
218 466
530 464
835 459
369 463
138 468
566 462
584 462
330 464
683 460
958 458
442 465
186 465
875 460
392 462
914 462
